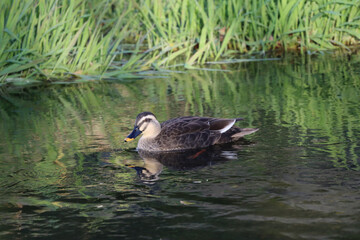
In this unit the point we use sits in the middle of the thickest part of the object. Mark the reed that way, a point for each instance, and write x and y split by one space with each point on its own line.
57 39
88 40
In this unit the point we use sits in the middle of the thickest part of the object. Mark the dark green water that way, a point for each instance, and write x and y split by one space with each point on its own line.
65 172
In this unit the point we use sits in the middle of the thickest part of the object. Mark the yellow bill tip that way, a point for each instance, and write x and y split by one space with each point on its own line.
130 165
128 139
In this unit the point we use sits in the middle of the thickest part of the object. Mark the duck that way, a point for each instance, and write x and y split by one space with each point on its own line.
184 133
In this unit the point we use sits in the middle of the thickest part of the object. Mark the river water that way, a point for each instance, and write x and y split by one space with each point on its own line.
65 172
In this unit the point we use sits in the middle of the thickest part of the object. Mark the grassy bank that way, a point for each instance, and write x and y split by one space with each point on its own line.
84 40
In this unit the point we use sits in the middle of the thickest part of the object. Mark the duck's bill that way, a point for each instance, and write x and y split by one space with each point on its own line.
136 132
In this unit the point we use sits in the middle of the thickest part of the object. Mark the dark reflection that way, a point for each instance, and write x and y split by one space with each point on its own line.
154 162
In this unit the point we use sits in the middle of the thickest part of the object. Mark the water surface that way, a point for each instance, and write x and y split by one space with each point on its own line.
66 173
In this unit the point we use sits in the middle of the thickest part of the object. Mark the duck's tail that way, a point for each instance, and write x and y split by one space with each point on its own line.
243 132
234 134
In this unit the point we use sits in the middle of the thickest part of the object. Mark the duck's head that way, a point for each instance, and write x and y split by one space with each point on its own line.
145 123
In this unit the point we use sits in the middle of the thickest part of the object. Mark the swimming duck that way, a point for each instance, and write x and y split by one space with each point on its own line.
184 133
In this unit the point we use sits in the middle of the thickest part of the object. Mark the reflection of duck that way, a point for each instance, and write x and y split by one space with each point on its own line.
150 171
184 132
153 163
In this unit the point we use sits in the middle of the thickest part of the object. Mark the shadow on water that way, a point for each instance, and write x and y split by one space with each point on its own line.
153 163
65 172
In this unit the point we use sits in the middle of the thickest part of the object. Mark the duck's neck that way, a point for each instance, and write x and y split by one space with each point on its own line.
147 141
152 130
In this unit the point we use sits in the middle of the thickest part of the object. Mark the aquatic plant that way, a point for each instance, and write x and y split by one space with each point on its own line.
90 40
57 39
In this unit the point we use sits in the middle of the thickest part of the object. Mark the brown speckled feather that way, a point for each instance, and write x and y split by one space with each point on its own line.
187 133
194 132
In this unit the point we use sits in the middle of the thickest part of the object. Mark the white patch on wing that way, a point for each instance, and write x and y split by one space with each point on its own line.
227 127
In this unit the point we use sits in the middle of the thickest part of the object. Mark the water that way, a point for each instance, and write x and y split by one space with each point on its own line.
66 173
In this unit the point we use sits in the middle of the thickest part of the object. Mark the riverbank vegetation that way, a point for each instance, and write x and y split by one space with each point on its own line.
87 40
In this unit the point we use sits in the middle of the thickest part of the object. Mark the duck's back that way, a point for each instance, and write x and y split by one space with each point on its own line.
186 133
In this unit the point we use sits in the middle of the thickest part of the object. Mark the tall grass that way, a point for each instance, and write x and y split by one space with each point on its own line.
57 38
108 38
214 29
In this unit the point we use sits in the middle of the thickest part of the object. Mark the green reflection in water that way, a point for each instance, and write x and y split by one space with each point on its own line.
317 100
61 148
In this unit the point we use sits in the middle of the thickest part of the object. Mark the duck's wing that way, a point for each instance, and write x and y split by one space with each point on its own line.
222 124
193 124
189 140
183 125
187 133
192 132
